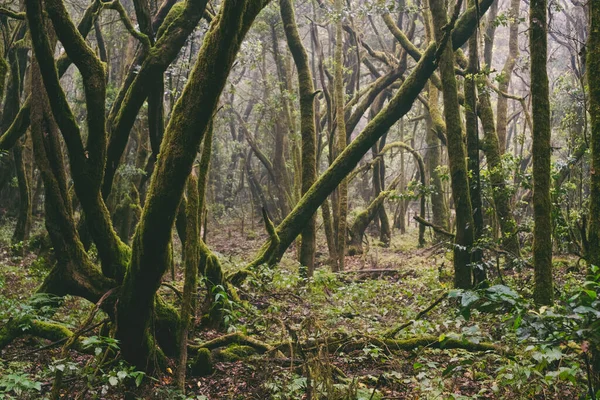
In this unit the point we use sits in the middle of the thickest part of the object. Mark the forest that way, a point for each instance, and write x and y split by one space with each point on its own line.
299 199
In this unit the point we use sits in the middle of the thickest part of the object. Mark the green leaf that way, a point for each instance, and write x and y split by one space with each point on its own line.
113 381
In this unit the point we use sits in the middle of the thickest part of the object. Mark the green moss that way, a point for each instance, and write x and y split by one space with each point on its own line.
167 324
202 364
175 12
235 352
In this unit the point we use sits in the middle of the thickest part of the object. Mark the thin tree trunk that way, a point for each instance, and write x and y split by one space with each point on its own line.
593 71
307 128
341 135
543 292
456 154
472 128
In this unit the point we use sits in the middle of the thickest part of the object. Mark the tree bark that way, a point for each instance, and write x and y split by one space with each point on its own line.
593 72
307 128
543 292
472 130
339 95
189 121
456 155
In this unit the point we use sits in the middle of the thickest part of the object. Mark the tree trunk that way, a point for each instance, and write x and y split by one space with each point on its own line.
189 122
456 154
543 292
439 206
340 97
307 128
472 128
593 72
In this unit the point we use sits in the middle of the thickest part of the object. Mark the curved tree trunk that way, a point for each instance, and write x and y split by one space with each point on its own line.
189 121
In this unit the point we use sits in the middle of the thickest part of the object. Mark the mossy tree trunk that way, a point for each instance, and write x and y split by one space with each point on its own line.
12 100
23 226
340 127
189 120
307 128
87 161
472 129
593 77
435 123
542 206
190 285
456 154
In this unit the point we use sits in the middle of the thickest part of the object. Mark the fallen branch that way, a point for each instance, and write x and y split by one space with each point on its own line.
235 338
436 228
394 331
389 345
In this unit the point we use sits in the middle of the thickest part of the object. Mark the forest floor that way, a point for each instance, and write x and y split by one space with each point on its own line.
336 320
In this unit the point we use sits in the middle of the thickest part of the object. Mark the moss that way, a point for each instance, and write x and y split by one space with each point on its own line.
175 12
543 292
593 65
167 324
456 152
235 352
308 170
202 363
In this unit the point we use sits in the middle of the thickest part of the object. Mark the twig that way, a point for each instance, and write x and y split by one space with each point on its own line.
393 332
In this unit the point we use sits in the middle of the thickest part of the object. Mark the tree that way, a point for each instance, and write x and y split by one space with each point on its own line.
541 150
593 72
307 126
456 153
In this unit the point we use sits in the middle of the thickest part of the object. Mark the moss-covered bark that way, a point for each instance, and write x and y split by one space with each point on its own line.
87 162
398 106
542 206
456 154
362 220
593 77
190 285
439 206
189 121
23 226
340 127
179 23
472 130
307 127
435 127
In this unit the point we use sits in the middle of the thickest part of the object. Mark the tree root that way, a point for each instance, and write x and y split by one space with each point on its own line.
52 331
236 338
